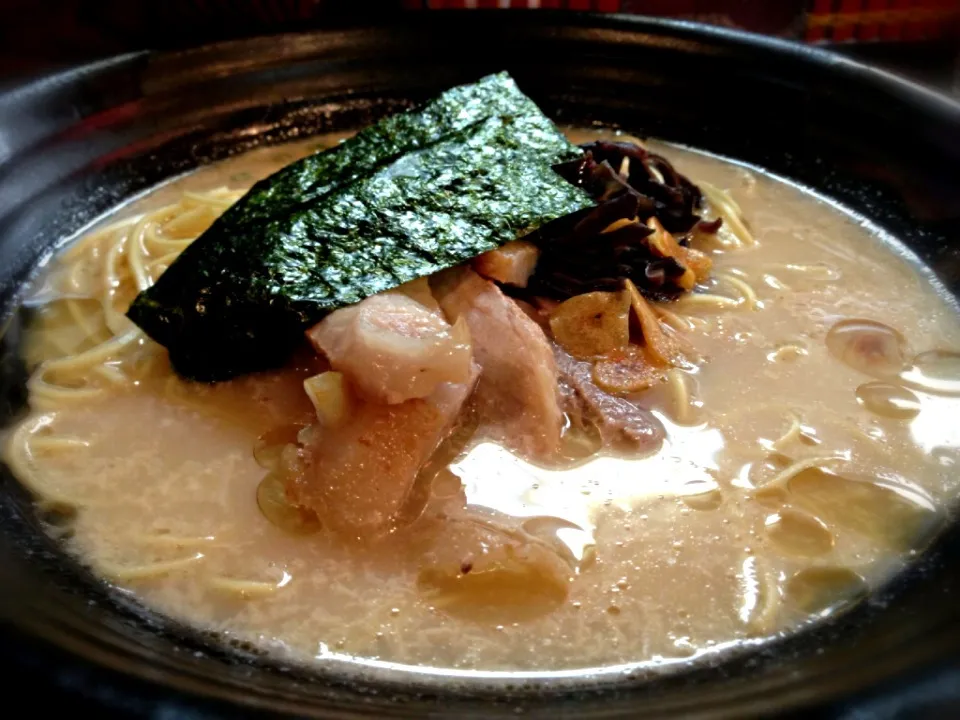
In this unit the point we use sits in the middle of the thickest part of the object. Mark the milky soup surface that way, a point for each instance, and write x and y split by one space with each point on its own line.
798 473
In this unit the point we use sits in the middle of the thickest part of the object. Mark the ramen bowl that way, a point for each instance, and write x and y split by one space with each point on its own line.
79 143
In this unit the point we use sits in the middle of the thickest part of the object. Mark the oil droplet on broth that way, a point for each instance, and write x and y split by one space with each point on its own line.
276 507
868 346
936 372
816 589
796 533
788 352
701 495
888 400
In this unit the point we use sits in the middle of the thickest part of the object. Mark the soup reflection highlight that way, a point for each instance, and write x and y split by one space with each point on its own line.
810 453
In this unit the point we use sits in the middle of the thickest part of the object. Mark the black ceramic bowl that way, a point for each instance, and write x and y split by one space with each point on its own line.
74 144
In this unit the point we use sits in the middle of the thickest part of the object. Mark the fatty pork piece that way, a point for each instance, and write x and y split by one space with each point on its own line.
357 473
395 346
516 395
512 264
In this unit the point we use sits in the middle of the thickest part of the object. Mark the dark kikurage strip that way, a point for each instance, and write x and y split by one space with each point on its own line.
577 256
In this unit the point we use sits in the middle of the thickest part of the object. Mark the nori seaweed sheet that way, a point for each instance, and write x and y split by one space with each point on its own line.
415 193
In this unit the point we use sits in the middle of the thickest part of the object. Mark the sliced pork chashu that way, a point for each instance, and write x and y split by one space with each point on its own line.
622 422
516 395
357 476
405 374
395 346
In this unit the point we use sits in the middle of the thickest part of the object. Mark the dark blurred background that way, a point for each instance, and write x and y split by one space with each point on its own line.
915 37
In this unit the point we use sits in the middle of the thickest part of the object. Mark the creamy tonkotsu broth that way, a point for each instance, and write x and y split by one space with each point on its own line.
791 482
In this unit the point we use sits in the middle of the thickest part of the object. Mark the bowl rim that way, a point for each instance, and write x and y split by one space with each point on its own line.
825 57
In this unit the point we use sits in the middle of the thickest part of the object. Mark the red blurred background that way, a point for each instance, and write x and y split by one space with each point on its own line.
812 20
918 37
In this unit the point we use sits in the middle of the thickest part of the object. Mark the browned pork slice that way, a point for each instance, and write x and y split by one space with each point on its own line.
517 394
621 421
394 346
357 476
512 264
